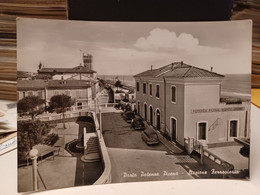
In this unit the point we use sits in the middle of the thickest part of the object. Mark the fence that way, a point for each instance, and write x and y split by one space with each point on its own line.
192 144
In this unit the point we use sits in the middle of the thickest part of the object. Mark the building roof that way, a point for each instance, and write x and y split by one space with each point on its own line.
179 70
77 69
51 84
22 74
68 84
31 84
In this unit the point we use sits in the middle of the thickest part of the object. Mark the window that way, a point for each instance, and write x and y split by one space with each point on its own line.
56 92
137 86
40 94
174 94
23 94
233 128
157 91
78 93
151 88
144 88
67 92
30 93
202 131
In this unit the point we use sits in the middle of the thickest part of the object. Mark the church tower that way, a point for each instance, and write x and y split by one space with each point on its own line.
87 60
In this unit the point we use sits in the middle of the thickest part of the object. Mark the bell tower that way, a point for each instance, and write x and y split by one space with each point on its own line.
87 60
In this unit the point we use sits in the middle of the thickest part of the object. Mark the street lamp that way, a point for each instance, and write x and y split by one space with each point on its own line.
33 155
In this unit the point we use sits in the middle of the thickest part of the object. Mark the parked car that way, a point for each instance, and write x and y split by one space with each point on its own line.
150 137
137 124
128 116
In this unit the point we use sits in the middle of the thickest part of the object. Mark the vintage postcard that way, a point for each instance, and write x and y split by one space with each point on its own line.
113 102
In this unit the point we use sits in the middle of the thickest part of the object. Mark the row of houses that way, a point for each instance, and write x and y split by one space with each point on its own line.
79 82
184 101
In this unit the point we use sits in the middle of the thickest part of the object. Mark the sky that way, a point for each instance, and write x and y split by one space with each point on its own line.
128 48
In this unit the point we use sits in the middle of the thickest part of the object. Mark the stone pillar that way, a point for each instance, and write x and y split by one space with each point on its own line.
202 148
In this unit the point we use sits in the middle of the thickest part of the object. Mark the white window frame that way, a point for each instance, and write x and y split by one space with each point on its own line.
174 102
197 131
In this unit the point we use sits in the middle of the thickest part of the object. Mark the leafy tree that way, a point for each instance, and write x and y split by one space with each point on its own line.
60 103
29 134
31 105
118 84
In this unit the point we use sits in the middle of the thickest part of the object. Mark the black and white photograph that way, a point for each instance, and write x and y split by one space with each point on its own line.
117 102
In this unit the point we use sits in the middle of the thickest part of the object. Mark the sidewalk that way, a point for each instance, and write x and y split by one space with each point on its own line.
168 144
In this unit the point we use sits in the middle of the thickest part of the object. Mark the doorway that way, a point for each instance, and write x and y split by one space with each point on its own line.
158 120
145 112
151 115
173 128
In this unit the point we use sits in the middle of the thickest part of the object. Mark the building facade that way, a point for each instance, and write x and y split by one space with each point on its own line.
78 90
183 101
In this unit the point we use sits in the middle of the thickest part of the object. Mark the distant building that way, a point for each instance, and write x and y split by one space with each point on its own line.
184 101
79 82
21 75
81 91
80 72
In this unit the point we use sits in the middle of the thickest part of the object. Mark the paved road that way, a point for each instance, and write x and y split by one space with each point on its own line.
132 160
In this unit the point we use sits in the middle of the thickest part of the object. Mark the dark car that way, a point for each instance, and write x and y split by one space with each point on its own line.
150 137
128 116
137 124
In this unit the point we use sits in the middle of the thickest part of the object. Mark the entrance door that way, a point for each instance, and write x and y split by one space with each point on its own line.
158 120
233 128
145 112
151 115
173 125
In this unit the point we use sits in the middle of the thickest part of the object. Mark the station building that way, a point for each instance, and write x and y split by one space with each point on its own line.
184 101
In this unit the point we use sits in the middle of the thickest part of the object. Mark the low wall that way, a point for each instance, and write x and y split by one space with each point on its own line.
106 175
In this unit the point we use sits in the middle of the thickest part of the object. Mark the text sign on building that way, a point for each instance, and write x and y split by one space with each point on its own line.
195 111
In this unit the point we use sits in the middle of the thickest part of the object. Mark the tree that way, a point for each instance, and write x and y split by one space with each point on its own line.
31 105
29 134
118 84
60 103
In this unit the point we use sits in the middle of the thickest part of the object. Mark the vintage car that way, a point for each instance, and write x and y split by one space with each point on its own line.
150 137
137 124
128 116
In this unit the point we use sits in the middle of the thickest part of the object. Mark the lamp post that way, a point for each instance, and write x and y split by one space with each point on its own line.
33 155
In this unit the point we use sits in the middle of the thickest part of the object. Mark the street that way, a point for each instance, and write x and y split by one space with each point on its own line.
132 160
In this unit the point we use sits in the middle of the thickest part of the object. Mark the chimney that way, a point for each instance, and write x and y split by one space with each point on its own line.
211 69
172 66
151 67
181 63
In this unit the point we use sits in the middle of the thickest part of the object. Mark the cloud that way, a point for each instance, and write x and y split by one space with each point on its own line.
164 40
